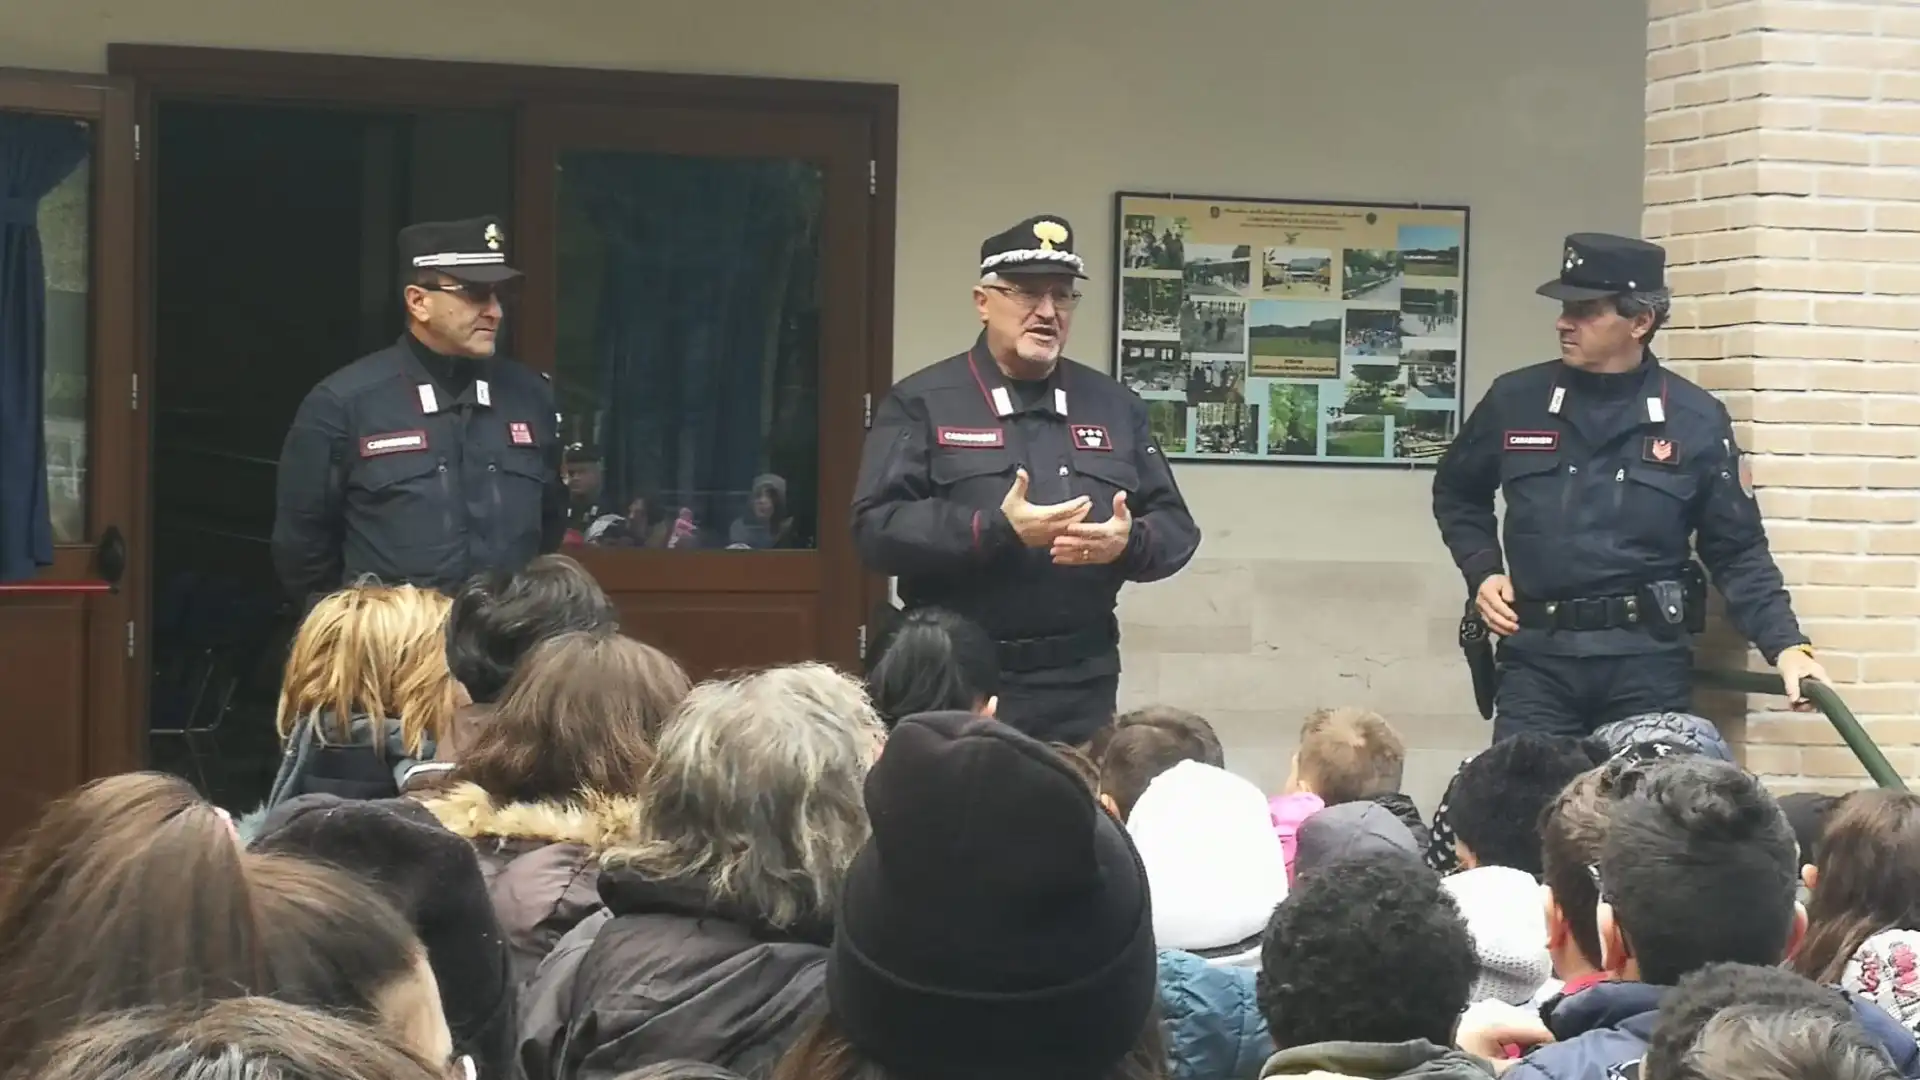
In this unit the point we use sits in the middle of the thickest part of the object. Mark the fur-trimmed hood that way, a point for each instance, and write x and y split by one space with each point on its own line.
597 822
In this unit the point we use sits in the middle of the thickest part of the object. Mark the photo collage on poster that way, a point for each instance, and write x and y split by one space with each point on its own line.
1292 332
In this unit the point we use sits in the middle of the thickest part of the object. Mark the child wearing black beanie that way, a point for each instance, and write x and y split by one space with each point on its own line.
997 923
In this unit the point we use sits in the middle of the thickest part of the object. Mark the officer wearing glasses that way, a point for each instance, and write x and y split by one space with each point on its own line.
432 459
1021 489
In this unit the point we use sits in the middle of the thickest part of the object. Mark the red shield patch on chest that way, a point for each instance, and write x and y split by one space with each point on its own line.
520 434
971 438
1531 440
393 442
1091 437
1661 451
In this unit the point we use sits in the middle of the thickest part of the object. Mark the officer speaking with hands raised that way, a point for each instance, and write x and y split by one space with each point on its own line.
1611 467
1021 490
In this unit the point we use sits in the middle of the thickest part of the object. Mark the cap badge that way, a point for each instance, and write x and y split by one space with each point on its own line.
494 237
1573 259
1049 233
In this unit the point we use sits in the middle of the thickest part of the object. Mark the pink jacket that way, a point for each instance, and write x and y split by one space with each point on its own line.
1288 812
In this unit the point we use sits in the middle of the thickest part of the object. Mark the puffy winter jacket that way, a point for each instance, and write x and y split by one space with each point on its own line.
1214 1027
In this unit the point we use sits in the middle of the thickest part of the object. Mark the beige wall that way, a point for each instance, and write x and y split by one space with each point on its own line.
1314 586
1782 140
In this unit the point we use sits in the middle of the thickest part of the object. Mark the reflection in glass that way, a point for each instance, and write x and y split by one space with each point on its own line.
687 362
49 153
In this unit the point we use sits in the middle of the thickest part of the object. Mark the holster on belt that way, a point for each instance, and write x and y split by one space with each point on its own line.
1476 643
1665 611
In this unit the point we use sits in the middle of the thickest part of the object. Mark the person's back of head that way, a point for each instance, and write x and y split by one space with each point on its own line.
1147 742
1214 863
498 618
1756 1042
1348 831
250 1038
934 661
755 793
129 892
579 718
1573 829
334 942
680 1069
373 650
1706 992
1866 879
1698 867
1745 1022
1373 950
1349 754
1495 807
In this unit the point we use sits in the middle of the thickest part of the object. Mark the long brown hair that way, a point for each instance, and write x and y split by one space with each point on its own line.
231 1040
377 650
130 892
578 718
1869 880
330 939
823 1052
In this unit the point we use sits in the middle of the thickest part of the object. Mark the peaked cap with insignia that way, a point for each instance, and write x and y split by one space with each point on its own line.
1039 245
1601 264
472 250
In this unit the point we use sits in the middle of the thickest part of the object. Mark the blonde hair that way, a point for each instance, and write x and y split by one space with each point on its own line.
756 793
1349 754
378 650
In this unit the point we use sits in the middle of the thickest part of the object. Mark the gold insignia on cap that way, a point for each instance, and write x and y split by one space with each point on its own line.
1573 259
1049 233
494 236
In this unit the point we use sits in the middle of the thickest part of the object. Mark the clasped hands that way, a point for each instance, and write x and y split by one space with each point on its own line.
1063 526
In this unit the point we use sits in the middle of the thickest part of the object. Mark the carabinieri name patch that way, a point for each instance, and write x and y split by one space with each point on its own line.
972 438
1533 440
397 442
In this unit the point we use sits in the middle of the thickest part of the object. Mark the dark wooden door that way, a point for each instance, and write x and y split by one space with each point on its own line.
67 635
699 287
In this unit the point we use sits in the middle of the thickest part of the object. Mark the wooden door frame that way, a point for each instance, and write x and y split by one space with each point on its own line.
188 72
115 453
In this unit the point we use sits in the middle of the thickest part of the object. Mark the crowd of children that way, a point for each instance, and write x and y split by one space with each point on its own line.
510 842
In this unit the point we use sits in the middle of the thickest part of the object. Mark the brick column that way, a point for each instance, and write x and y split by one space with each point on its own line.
1783 177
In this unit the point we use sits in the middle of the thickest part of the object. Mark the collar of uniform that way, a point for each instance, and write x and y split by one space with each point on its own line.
477 395
1650 387
994 386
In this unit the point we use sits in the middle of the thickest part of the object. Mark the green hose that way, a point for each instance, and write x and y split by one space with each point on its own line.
1827 701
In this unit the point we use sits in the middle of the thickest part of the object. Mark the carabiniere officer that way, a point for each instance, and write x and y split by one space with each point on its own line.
1021 489
432 459
1609 465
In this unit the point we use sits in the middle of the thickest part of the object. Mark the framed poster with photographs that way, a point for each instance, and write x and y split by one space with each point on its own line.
1292 332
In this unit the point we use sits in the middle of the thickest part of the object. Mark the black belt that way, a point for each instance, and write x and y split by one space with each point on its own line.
1583 613
1060 650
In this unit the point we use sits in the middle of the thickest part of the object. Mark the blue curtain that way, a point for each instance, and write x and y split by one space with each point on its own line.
706 309
36 153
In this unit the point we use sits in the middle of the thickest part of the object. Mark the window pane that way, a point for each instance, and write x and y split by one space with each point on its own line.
687 364
66 242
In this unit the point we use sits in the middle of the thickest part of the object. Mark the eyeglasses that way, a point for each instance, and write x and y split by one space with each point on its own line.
1063 299
480 295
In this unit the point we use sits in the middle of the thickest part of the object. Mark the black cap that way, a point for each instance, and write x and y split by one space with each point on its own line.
1601 264
471 250
997 922
1038 245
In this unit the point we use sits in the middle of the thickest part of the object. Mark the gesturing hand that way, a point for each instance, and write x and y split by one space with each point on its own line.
1039 525
1088 544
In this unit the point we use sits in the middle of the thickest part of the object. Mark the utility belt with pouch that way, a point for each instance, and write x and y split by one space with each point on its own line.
1666 609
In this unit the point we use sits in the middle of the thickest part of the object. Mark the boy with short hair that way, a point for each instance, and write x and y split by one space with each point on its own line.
1573 830
1345 755
1363 973
1710 991
1698 867
1146 743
